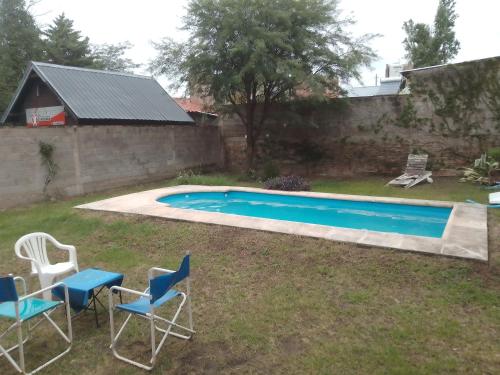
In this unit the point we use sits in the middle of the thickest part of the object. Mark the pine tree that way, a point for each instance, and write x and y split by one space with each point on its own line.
111 57
426 45
65 46
19 43
445 43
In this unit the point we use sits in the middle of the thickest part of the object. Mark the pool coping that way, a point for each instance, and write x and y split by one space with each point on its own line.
465 234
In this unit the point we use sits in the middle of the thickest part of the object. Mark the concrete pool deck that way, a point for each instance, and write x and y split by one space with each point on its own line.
465 235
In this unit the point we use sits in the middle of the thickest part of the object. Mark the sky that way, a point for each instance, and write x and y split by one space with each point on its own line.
113 21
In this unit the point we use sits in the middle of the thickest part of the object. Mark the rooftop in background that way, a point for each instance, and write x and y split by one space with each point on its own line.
435 67
394 70
91 95
388 86
194 105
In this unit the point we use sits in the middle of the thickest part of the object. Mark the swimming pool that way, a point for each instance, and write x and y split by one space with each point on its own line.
426 221
465 234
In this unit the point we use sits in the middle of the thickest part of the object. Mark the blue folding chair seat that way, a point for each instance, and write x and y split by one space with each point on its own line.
28 308
143 305
22 309
157 294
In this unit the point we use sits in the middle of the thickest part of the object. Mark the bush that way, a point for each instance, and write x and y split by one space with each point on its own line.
270 170
483 172
185 177
287 183
494 153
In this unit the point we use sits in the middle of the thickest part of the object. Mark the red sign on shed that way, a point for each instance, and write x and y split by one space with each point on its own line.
45 116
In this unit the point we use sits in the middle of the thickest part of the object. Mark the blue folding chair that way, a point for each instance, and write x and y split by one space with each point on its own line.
23 309
156 295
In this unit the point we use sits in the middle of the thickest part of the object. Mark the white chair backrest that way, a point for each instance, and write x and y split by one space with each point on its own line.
35 247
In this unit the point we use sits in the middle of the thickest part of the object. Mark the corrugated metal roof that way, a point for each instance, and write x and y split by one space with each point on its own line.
388 87
102 95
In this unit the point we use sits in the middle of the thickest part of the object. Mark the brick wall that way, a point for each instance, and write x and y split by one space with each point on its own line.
92 158
362 137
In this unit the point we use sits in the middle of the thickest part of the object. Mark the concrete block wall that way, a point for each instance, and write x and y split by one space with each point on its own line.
93 158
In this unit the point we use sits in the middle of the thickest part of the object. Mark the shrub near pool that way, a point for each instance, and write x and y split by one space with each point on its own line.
287 183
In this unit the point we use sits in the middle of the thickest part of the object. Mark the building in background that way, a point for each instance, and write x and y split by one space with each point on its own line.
56 95
390 85
197 108
394 70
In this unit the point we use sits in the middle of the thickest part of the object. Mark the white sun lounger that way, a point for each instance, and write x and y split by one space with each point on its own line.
415 172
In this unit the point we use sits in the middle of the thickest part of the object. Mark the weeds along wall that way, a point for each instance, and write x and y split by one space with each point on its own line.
452 114
86 159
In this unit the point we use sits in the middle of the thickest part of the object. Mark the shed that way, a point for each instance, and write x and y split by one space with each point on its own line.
51 95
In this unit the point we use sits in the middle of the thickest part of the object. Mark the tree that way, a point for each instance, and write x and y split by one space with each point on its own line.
426 46
111 57
251 54
65 46
19 43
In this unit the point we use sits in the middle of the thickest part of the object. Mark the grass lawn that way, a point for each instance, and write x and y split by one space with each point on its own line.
272 303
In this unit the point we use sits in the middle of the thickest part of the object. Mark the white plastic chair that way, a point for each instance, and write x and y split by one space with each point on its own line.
33 247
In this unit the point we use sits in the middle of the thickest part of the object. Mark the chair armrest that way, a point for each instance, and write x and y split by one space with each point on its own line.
23 283
131 291
31 260
45 289
152 271
69 248
72 255
122 289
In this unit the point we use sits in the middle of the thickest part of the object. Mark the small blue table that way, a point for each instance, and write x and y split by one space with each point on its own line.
82 285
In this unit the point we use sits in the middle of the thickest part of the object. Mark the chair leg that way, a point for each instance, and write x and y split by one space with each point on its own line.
21 346
172 323
46 281
6 352
189 308
190 313
114 340
21 367
153 341
153 327
67 337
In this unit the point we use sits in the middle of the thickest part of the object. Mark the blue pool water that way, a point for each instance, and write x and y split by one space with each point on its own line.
425 221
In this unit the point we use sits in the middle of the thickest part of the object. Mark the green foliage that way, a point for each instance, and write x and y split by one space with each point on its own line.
418 44
65 46
459 95
270 170
482 172
22 41
253 53
494 153
111 57
426 46
194 177
19 43
46 152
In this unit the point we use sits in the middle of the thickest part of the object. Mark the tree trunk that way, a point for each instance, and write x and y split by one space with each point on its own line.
250 151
